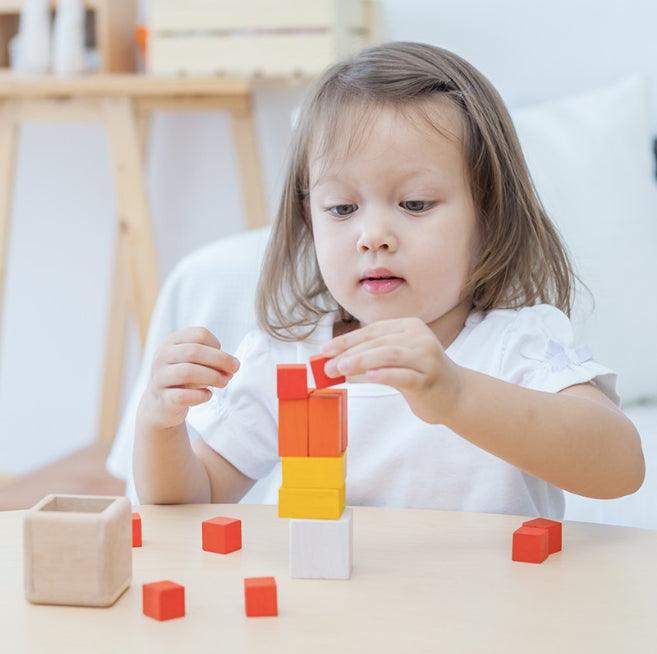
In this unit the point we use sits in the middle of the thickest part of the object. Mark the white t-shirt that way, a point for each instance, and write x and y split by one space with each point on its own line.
394 457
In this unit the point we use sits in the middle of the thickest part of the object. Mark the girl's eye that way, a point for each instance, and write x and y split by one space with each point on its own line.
416 205
342 209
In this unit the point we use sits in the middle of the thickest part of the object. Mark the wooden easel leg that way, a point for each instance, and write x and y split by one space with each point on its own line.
127 293
8 131
248 161
125 151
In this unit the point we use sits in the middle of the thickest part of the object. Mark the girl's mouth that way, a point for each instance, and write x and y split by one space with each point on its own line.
381 285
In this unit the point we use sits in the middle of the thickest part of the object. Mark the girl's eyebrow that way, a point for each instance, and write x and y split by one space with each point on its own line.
334 177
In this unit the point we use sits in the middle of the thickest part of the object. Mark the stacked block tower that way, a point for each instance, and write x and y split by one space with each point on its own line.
312 444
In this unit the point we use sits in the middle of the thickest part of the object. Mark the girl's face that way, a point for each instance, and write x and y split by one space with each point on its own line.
402 203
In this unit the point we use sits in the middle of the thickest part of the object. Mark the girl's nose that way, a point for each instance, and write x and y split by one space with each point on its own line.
376 235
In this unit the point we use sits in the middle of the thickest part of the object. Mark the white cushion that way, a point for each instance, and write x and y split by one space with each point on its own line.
591 159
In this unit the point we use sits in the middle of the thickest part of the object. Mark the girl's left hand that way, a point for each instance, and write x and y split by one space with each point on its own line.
403 353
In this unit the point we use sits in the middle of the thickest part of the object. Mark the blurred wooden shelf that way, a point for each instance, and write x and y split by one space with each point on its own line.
123 103
13 85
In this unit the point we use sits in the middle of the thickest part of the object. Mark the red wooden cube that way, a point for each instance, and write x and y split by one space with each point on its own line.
163 600
530 545
322 380
136 530
260 596
291 381
221 535
554 532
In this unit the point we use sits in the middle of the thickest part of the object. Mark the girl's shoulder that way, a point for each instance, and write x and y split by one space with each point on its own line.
538 319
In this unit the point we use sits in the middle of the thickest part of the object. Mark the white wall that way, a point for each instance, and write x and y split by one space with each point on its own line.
60 250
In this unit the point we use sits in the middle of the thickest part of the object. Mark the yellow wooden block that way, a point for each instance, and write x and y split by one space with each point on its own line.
314 471
311 503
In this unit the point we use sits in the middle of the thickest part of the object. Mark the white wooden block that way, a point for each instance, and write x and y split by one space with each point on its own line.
321 549
77 550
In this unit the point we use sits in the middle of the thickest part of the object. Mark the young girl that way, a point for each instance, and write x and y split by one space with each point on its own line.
411 247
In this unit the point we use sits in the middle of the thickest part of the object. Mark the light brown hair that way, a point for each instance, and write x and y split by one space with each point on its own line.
521 259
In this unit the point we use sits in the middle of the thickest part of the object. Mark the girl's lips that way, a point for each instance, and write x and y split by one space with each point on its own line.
381 286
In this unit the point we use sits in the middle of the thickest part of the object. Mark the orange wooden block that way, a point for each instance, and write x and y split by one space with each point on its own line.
291 381
554 532
327 422
293 427
530 545
163 600
136 530
221 535
260 596
322 380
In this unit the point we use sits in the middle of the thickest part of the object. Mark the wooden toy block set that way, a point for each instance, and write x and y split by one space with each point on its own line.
78 549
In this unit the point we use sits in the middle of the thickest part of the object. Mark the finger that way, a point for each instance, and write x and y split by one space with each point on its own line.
186 396
400 378
331 366
190 374
390 356
204 355
195 334
345 341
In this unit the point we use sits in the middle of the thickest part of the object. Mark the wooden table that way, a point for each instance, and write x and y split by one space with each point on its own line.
122 103
423 581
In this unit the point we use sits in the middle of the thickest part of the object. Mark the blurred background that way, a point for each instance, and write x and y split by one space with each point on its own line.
146 141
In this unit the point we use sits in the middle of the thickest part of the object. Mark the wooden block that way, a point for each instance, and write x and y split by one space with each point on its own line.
322 549
291 381
293 427
136 530
327 422
314 471
163 600
221 535
312 503
530 545
260 596
77 550
322 380
554 532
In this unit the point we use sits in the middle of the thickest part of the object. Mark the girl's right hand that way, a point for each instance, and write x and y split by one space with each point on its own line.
184 365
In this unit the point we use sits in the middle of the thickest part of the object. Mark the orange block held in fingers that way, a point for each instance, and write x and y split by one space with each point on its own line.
530 545
554 532
136 530
163 600
260 596
327 422
322 380
291 381
293 427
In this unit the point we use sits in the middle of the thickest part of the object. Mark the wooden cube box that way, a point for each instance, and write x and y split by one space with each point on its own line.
77 550
258 37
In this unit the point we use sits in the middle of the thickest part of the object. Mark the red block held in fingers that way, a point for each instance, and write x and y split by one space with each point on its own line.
322 380
221 535
260 596
530 545
163 600
554 532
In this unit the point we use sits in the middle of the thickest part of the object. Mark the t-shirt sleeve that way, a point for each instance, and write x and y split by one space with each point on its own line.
538 352
240 422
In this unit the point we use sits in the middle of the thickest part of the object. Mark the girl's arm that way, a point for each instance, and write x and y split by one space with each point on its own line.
576 439
168 469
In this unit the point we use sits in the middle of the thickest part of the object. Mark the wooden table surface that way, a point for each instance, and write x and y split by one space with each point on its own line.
423 581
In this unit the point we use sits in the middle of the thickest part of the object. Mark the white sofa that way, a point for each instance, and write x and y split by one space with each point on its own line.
215 287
